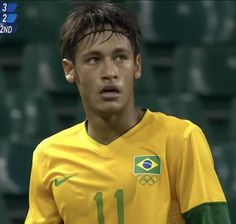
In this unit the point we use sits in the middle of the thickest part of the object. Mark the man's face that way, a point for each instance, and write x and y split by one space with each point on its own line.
104 73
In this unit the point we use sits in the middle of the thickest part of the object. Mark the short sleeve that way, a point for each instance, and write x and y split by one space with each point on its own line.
42 207
196 181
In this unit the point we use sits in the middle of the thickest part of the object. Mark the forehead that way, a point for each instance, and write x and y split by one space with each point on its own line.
102 41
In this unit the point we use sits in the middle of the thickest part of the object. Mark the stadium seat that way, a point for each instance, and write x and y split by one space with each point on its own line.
15 108
205 70
176 21
208 72
224 156
40 117
222 166
19 162
31 115
226 11
232 121
183 64
147 84
4 119
42 69
7 184
4 217
3 86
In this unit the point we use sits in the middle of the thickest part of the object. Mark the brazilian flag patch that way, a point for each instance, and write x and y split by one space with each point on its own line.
147 165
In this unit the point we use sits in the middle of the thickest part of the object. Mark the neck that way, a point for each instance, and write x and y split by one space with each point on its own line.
106 129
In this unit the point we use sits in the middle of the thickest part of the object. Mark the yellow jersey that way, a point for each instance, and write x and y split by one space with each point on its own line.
159 171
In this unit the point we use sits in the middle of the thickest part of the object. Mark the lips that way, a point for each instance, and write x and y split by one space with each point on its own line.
110 92
110 88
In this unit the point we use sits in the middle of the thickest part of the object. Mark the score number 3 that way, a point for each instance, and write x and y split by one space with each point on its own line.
120 206
4 5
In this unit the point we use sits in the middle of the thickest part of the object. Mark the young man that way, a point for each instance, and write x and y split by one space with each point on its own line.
122 165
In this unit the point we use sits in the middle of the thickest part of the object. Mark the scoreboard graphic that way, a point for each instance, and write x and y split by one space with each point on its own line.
8 17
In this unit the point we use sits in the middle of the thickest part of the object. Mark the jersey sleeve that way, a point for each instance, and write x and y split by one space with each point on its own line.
208 213
42 207
197 186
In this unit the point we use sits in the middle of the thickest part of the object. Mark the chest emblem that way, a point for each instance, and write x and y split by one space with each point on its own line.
147 169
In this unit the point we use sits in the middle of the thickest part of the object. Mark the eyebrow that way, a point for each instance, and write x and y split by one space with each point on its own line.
121 49
98 53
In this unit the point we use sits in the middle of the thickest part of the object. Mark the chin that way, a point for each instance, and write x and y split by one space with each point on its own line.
109 109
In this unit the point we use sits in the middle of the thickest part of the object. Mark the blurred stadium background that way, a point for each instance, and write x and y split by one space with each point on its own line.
189 70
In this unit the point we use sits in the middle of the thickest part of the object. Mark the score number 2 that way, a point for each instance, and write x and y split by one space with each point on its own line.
4 18
120 206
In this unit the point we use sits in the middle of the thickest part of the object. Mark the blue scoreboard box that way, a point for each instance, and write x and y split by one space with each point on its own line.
8 17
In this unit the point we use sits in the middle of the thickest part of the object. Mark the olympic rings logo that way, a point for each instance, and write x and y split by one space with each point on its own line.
147 179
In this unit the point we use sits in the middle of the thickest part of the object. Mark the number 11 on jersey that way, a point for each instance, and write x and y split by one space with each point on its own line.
120 206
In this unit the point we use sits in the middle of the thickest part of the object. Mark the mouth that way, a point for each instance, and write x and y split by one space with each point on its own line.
110 92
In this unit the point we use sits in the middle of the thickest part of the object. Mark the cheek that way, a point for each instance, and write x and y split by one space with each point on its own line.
129 74
128 83
85 77
88 84
127 69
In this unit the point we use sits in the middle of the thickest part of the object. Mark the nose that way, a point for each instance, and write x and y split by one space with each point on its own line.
110 70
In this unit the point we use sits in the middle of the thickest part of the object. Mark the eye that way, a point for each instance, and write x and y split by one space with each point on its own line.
92 60
121 57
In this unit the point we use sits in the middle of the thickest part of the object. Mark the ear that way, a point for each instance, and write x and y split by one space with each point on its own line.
69 70
137 71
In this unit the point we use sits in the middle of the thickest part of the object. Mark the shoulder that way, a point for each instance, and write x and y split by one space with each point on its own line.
173 125
177 133
65 137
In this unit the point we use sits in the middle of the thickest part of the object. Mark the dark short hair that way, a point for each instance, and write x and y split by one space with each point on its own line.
91 18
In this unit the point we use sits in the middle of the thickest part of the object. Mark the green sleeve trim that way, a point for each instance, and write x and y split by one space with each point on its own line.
208 213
